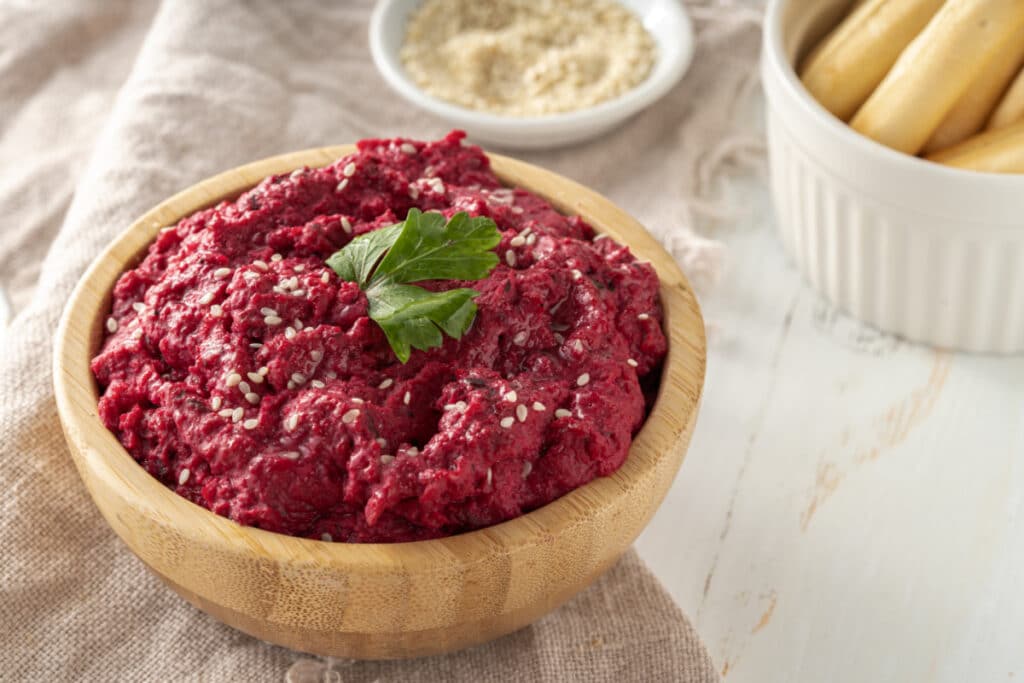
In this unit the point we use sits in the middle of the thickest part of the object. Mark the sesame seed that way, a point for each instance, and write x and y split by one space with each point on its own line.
510 258
346 225
226 412
326 538
298 268
255 345
250 423
583 379
317 355
237 414
527 468
350 417
183 477
413 191
139 307
296 173
289 332
263 371
325 277
386 383
490 476
598 238
531 240
520 338
562 412
449 407
521 412
356 399
387 459
517 241
222 272
511 396
216 402
233 379
298 378
331 374
299 292
292 422
249 275
559 338
206 298
342 185
643 316
631 363
261 265
291 384
408 148
244 387
576 274
252 397
255 377
276 257
111 325
578 345
382 441
412 451
291 455
349 170
539 407
216 311
272 320
507 422
318 384
406 398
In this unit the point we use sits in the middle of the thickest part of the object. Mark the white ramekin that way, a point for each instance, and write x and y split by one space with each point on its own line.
666 21
931 253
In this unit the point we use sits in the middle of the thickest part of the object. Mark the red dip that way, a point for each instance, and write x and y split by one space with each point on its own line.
239 370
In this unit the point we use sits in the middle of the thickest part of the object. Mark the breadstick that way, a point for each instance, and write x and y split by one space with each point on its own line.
936 69
1011 108
975 106
996 151
843 70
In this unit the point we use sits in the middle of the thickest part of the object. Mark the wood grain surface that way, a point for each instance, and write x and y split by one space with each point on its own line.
378 600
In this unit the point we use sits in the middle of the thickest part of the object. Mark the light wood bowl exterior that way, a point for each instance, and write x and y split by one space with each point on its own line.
379 600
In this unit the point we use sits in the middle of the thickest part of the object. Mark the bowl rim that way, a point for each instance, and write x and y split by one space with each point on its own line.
76 393
774 57
651 89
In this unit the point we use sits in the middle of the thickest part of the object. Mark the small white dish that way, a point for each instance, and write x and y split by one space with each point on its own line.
931 253
666 20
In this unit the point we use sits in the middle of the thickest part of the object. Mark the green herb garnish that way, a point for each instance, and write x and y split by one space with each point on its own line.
422 247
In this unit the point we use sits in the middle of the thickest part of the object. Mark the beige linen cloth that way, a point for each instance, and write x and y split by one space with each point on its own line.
106 108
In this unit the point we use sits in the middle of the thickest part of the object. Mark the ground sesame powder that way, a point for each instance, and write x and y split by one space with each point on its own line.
527 57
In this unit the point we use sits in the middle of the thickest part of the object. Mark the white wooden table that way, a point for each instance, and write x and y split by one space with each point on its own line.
850 507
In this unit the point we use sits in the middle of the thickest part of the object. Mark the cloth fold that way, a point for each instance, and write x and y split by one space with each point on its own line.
109 106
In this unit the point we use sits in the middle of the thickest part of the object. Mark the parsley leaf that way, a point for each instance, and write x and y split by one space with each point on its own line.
422 247
356 261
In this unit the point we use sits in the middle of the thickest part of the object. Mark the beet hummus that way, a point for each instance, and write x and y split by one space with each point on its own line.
239 370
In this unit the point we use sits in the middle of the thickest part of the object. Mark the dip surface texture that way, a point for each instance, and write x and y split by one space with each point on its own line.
240 371
526 57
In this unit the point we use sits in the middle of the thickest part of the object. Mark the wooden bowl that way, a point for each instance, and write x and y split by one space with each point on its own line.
378 600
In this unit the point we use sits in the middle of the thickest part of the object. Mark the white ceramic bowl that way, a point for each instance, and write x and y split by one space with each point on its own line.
931 253
666 20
